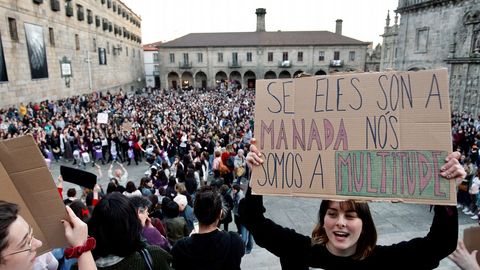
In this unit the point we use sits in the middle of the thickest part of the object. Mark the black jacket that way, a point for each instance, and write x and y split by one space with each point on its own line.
217 250
296 251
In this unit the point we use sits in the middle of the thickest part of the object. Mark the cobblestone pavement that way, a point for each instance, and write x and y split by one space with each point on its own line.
395 221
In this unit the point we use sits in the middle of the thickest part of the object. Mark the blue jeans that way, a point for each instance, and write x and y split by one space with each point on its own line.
247 239
210 162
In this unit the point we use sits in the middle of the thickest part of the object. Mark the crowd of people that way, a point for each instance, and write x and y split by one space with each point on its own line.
192 141
197 147
466 139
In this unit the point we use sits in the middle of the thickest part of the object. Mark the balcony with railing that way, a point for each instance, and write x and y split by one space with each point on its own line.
234 64
336 63
185 65
285 64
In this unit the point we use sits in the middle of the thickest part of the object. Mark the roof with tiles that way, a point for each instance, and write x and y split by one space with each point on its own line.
152 46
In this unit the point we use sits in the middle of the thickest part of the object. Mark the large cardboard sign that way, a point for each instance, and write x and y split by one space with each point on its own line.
369 136
26 181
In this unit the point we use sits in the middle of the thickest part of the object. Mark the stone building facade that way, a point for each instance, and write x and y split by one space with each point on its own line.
434 34
59 48
373 59
151 62
207 60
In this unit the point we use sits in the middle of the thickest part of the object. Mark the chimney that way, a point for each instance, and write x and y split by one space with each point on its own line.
261 19
338 27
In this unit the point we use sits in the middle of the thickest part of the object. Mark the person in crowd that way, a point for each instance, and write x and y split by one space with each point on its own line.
181 189
117 228
474 193
216 163
180 168
227 158
205 168
120 174
131 190
247 237
161 179
54 143
156 215
149 232
146 186
80 210
104 148
176 225
114 187
186 211
66 140
198 173
463 259
113 148
240 164
18 245
227 206
190 182
170 191
97 153
84 156
71 196
345 236
209 247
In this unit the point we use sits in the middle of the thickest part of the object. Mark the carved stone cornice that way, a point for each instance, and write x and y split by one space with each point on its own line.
471 17
463 60
406 6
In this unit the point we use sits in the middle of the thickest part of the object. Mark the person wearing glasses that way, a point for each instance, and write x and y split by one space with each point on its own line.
18 245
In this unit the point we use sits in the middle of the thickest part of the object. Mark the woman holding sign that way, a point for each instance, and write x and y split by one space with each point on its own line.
18 244
345 236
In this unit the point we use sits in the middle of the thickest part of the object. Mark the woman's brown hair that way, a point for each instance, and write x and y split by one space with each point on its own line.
8 215
368 238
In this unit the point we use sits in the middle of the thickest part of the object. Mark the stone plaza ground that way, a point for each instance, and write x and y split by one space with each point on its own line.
395 221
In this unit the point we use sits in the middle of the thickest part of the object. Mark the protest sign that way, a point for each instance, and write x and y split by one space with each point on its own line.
79 177
102 118
471 239
26 181
369 136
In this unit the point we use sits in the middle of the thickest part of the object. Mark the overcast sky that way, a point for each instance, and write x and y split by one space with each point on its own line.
164 20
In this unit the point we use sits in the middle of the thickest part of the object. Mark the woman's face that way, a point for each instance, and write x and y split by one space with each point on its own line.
149 184
22 245
343 229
